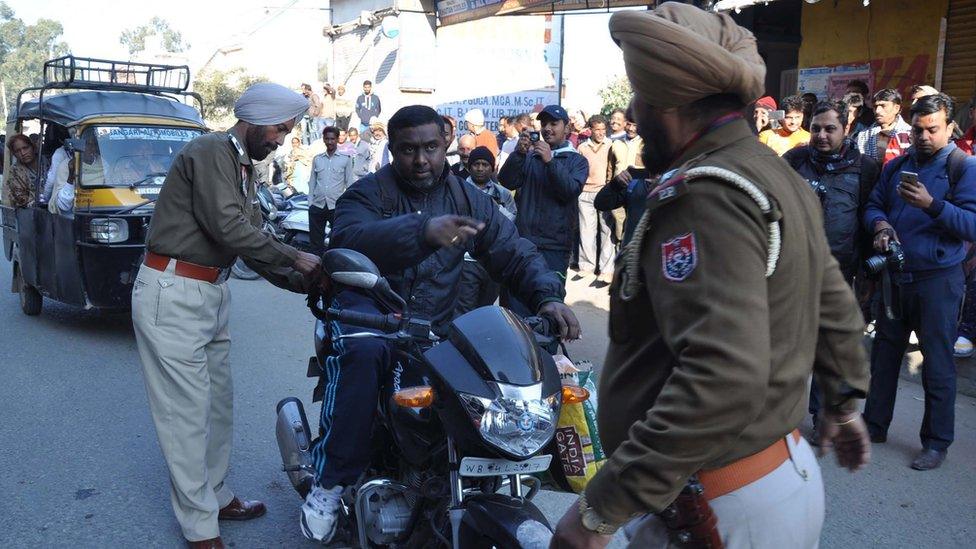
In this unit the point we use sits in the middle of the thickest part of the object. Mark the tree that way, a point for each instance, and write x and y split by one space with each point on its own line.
616 95
135 39
24 49
221 89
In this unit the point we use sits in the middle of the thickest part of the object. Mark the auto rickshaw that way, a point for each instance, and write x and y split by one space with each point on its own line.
120 125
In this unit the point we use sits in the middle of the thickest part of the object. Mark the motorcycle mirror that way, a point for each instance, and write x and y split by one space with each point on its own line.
354 269
351 268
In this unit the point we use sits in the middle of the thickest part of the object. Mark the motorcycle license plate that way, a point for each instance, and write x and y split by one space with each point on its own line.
487 467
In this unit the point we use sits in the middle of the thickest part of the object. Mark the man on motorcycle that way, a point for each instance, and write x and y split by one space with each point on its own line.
415 220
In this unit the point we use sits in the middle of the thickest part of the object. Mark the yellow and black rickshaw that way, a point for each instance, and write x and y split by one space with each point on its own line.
119 125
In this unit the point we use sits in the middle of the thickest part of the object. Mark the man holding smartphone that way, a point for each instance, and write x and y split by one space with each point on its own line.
926 201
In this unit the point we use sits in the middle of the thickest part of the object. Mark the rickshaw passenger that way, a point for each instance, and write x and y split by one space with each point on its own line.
19 184
62 199
55 153
58 158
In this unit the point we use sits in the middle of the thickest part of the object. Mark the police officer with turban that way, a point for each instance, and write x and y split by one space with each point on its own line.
725 301
205 218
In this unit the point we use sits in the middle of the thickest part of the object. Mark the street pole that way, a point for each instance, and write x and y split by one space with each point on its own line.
562 55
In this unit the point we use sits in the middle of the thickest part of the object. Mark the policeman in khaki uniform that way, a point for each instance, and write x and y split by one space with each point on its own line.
204 219
727 299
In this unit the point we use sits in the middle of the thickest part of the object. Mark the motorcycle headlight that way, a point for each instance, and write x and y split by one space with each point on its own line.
520 422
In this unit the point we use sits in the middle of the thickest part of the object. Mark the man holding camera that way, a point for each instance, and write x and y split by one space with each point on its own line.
549 175
926 202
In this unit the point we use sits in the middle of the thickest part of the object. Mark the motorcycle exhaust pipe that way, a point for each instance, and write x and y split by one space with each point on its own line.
295 443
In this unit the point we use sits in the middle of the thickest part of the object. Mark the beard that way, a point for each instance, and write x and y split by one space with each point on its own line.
655 154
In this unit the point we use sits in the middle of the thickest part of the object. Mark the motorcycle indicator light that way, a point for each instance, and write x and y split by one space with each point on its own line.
573 394
421 396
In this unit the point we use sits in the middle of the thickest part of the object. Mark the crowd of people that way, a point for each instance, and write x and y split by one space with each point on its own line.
903 191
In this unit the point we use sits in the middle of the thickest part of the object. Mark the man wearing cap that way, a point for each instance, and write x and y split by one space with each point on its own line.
724 302
204 219
549 175
475 122
760 114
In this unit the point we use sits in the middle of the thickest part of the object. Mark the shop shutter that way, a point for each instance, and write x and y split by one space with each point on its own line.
959 68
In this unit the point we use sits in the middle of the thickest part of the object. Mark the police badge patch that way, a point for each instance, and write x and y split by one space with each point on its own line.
679 256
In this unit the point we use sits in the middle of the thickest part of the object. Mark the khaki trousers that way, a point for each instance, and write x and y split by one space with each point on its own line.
783 509
181 328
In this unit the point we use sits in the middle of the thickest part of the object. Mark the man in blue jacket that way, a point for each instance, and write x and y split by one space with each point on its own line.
931 218
415 220
549 175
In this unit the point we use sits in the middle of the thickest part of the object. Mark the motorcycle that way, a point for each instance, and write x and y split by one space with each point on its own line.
284 218
468 415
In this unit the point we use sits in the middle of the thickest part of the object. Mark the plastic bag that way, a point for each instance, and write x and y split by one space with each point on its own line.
576 448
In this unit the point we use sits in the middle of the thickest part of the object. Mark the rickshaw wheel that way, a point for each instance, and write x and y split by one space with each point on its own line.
30 299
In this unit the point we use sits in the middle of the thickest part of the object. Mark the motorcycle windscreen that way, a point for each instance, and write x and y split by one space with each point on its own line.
499 346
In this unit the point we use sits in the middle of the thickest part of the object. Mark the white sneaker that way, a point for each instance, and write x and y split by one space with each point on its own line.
320 513
963 348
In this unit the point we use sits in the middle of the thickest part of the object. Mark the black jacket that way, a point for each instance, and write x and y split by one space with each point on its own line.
384 218
548 195
843 193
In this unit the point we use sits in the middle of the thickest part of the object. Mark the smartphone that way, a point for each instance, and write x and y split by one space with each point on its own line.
534 136
909 178
777 115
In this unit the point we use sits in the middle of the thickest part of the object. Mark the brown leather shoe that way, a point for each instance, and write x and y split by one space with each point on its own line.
212 543
241 510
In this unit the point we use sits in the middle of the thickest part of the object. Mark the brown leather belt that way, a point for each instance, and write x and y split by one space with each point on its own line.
721 481
184 268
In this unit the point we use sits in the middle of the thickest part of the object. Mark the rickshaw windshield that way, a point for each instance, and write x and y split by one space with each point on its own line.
130 156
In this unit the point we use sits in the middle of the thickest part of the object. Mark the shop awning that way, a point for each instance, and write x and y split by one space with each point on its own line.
450 12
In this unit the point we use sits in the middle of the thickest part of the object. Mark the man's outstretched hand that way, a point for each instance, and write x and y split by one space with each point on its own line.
848 436
569 327
451 230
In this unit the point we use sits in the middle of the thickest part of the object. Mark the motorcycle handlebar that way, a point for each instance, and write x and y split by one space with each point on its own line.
384 323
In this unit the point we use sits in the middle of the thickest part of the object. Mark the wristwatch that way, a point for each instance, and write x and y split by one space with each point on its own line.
592 521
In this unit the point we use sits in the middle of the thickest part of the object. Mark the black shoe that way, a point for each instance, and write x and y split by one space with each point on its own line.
577 277
928 459
879 438
599 284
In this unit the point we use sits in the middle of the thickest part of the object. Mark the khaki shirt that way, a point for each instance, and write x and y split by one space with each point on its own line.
710 361
624 153
207 212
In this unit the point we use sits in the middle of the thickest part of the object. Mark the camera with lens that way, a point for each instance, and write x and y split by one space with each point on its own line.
534 136
893 260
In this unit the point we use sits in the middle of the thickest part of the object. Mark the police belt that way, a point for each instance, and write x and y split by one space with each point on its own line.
213 275
724 480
